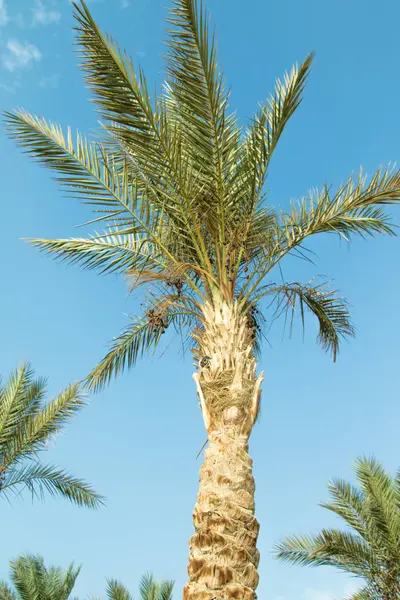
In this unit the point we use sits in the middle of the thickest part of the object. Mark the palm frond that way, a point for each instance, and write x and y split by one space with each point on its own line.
124 100
197 85
20 395
83 168
116 591
147 587
263 134
68 580
383 510
165 590
356 208
331 311
34 581
365 593
331 547
28 576
348 503
6 593
26 425
40 479
123 97
33 433
142 335
372 552
110 252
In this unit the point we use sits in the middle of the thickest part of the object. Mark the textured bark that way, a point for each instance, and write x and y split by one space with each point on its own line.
223 557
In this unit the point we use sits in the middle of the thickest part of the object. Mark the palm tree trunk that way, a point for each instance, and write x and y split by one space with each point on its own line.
223 557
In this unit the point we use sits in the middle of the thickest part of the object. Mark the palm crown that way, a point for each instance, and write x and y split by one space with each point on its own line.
178 184
33 580
26 426
371 550
149 589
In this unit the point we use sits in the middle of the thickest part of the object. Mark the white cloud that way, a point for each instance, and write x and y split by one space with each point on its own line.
3 13
19 55
317 594
12 86
125 3
10 89
43 15
50 81
350 589
327 594
313 594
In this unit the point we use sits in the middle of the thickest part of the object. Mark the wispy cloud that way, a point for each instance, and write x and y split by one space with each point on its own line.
51 81
43 15
326 594
20 55
314 594
125 3
12 86
3 13
317 594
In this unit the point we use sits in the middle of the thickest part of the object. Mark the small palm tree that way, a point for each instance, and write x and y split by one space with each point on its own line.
371 551
33 581
149 589
178 185
26 426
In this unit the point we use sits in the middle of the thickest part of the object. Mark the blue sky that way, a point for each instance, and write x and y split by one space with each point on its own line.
138 440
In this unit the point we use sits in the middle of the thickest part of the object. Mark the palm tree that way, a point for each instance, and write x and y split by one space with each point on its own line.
178 184
149 589
33 581
371 551
26 426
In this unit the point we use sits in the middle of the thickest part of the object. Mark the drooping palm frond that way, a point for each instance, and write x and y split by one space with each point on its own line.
141 336
41 479
179 185
26 426
331 311
373 551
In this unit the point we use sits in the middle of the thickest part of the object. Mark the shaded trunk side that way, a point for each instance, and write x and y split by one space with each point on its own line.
223 557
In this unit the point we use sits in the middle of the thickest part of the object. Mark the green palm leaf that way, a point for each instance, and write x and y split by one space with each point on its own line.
41 479
116 591
331 311
34 581
142 335
26 425
372 552
6 593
